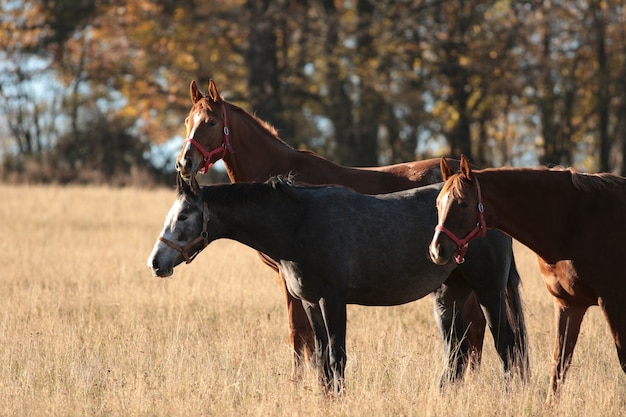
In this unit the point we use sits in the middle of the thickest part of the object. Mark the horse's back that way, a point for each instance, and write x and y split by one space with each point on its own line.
419 173
311 168
382 242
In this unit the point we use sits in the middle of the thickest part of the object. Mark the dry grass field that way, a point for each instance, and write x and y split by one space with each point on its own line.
85 330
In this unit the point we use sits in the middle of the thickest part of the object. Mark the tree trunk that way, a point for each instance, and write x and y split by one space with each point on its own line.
604 98
340 106
261 59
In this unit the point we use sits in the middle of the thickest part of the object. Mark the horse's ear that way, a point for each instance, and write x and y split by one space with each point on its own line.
181 185
195 94
445 169
193 183
213 93
466 169
187 187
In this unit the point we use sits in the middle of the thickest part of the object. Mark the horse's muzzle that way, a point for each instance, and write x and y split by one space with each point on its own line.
184 167
437 252
436 255
159 270
162 272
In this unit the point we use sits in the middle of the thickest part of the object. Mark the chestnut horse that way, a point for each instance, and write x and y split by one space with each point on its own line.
572 221
252 151
333 247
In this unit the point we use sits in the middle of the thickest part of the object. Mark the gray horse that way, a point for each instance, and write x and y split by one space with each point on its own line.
336 247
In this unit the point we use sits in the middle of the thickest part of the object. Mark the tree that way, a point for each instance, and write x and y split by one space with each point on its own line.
360 82
23 63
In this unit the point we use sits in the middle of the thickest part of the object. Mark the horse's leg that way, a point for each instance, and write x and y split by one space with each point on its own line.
493 302
569 317
613 309
448 299
515 315
300 333
334 312
491 272
316 318
475 325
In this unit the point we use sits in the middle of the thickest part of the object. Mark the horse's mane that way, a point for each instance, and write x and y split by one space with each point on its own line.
247 192
262 123
242 192
580 180
454 184
585 181
588 182
205 104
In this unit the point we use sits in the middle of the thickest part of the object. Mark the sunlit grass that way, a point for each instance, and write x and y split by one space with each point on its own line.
86 330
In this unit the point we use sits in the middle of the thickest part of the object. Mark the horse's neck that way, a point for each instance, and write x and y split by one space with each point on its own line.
257 153
524 205
262 224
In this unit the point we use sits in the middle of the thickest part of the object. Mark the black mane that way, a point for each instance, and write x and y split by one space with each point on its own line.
245 192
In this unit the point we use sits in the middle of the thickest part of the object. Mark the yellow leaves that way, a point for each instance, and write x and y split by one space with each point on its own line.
464 60
27 21
130 112
417 63
187 61
180 14
446 113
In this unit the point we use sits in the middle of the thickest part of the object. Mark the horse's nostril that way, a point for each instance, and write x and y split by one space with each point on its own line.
183 164
155 264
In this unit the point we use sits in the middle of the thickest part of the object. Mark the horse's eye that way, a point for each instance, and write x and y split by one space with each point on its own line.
182 218
212 122
464 204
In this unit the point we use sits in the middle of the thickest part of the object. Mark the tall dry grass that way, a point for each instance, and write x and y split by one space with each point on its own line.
85 330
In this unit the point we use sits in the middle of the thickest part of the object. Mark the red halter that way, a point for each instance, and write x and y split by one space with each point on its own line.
222 148
479 230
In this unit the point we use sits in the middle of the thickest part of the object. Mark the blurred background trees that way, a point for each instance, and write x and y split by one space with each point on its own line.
97 91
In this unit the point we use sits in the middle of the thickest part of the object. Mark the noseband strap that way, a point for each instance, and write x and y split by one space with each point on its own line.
479 230
222 148
204 238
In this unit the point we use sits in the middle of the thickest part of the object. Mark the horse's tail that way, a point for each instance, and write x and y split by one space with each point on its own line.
515 313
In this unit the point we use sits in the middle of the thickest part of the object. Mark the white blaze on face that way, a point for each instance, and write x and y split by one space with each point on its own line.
197 119
434 247
170 220
442 206
191 132
186 149
161 253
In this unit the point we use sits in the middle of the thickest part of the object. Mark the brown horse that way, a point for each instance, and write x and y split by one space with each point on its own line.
572 221
252 151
